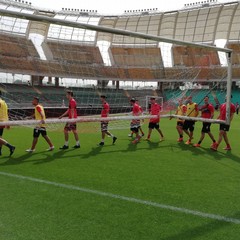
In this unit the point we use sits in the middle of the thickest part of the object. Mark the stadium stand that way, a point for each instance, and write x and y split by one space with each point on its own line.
131 58
136 57
70 52
190 56
235 46
12 45
22 94
18 54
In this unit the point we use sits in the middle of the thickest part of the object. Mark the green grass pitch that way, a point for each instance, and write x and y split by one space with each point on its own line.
152 190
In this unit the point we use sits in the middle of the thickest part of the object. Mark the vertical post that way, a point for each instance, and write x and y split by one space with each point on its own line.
146 103
56 81
229 87
117 85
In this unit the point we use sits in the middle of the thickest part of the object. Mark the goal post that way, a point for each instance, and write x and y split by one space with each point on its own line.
103 72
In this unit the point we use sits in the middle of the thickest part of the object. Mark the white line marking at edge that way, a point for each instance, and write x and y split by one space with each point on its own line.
128 199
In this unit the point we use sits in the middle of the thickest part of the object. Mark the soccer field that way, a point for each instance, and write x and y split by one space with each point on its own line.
152 190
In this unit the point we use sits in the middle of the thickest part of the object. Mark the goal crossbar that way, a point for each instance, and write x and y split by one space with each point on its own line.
104 119
198 119
75 120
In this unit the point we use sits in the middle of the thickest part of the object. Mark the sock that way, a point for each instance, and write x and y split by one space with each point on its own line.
77 143
66 143
8 145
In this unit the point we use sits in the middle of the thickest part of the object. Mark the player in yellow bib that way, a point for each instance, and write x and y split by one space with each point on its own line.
180 111
3 111
188 126
39 114
4 118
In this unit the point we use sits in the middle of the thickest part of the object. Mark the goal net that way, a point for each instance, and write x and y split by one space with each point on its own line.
44 54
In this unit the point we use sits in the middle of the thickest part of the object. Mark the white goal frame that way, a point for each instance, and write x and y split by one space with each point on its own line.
61 22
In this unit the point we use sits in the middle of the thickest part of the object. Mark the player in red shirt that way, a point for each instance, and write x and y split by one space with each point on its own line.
224 128
140 128
135 123
104 124
71 113
207 112
154 122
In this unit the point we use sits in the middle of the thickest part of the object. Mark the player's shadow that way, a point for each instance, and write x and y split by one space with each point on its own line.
199 150
231 156
152 145
131 147
15 160
23 158
94 151
184 147
98 150
48 158
59 153
205 229
217 155
39 157
135 147
204 151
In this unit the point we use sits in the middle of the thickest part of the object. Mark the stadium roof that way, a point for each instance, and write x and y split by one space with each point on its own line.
198 24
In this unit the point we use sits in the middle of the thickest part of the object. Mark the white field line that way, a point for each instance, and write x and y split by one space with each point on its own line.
128 199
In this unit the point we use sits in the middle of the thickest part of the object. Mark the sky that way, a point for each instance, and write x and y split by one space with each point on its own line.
115 7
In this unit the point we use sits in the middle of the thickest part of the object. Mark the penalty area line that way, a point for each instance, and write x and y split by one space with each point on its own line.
127 199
